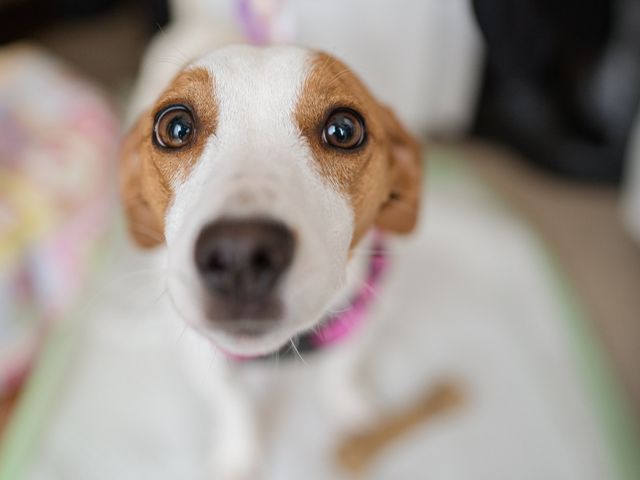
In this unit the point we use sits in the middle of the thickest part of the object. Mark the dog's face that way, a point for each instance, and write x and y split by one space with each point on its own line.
261 169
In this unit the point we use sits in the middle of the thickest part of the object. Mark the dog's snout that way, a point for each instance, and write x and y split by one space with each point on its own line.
242 261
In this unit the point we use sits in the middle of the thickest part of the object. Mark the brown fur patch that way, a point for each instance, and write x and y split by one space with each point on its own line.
148 170
367 175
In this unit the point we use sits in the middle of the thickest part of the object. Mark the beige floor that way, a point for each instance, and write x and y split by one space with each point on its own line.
581 223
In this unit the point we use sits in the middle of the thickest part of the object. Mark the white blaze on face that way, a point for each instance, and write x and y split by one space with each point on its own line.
258 165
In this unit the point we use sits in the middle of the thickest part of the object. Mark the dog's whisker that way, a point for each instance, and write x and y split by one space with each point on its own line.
183 330
171 61
177 58
135 273
326 65
104 290
276 361
370 252
186 280
146 231
338 311
117 280
297 352
371 289
182 55
338 76
164 291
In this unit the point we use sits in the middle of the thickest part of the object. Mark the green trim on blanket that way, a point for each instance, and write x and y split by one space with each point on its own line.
36 402
613 408
42 391
45 385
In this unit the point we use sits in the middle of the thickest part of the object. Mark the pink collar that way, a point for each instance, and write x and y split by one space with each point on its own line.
339 326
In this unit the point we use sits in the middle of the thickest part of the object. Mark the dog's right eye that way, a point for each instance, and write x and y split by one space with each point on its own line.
344 129
174 127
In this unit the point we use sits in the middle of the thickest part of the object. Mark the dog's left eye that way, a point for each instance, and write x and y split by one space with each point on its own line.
344 130
174 127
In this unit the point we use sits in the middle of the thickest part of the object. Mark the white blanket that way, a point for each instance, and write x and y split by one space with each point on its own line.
487 314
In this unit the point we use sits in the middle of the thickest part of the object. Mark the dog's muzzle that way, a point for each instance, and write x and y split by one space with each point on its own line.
240 263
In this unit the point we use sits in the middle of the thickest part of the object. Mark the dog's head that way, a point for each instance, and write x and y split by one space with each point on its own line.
261 169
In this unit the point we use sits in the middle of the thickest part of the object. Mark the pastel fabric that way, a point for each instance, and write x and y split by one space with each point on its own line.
58 139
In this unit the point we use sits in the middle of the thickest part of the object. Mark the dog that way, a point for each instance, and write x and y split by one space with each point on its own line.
269 177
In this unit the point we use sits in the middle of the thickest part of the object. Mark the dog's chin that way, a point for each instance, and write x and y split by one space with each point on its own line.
248 342
239 336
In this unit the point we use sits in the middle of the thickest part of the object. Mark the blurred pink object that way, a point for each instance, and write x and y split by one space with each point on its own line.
265 21
58 137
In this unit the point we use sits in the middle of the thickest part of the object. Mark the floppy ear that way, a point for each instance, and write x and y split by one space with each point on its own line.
399 213
143 224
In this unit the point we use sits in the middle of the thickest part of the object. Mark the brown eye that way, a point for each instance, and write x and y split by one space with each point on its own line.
174 127
344 129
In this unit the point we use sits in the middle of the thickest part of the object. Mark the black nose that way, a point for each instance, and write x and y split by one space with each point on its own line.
242 260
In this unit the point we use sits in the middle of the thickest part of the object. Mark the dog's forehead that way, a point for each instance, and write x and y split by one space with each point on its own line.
248 62
254 84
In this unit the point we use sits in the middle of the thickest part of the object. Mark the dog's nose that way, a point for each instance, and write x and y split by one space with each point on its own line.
242 260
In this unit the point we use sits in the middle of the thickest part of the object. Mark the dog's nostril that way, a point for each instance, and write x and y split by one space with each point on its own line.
218 263
261 261
243 260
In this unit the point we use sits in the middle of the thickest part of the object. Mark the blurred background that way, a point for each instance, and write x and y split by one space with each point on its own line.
538 98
